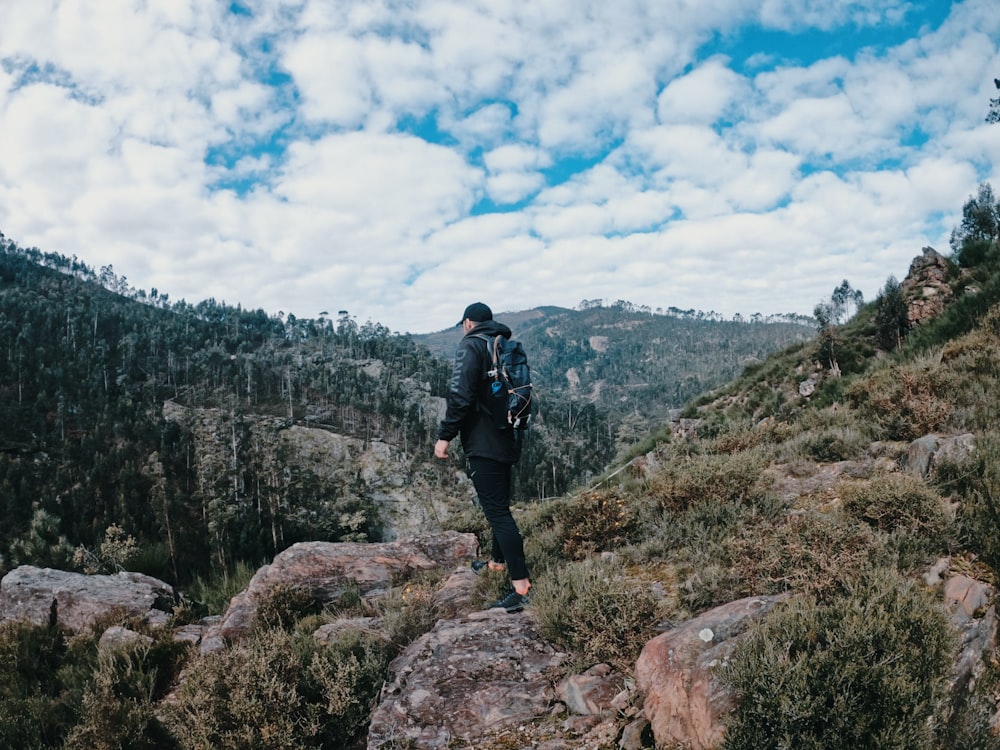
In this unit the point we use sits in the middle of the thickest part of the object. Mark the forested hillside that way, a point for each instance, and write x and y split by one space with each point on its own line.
172 423
86 443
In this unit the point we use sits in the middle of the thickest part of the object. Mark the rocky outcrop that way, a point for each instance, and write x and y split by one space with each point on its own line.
483 678
408 504
924 453
969 604
677 673
925 289
43 596
465 680
328 570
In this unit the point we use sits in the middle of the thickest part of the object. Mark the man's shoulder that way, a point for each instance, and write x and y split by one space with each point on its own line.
490 329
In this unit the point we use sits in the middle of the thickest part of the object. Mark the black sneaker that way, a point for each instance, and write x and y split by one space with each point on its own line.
480 565
512 603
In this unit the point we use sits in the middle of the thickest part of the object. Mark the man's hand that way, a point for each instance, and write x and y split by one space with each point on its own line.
441 449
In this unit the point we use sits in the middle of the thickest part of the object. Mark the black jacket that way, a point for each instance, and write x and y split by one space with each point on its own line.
469 384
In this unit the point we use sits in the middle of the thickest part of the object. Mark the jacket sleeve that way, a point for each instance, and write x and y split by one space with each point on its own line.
465 376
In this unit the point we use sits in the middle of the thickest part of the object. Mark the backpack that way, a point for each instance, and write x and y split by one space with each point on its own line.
512 398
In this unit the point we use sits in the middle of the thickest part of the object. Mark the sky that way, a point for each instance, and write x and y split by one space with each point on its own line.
399 159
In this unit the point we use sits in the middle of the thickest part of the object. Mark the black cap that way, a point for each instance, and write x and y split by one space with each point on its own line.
477 312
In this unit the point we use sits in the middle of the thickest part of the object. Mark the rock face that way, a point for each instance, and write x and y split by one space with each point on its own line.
407 503
676 672
483 678
925 288
923 454
43 596
465 680
328 570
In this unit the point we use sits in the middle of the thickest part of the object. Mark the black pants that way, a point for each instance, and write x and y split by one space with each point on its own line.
492 482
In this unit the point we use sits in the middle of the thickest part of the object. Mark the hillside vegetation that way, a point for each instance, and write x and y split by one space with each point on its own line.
634 363
178 425
797 490
785 480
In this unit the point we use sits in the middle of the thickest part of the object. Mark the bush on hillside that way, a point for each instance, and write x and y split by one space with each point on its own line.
829 444
826 435
211 595
589 522
408 612
281 691
747 434
734 477
596 611
977 481
118 707
975 361
867 669
757 553
283 606
906 401
41 681
905 508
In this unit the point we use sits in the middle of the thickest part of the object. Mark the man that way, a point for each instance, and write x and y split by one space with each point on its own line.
491 452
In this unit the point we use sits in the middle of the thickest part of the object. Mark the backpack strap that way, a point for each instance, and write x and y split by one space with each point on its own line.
492 348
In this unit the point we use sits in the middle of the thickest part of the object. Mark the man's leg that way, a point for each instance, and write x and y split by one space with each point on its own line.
492 482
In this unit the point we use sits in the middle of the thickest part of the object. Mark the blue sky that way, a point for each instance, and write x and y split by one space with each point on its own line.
401 158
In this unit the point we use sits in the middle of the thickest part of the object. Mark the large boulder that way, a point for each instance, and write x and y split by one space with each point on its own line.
465 681
925 289
329 570
677 674
969 603
44 596
923 454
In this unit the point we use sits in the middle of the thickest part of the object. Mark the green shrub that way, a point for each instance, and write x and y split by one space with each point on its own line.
283 606
831 444
153 559
865 670
592 521
828 435
118 709
905 508
907 401
735 477
279 691
211 596
749 434
408 612
976 481
595 610
723 556
41 683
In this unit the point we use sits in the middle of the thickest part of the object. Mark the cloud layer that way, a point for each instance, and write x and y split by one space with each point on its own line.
399 159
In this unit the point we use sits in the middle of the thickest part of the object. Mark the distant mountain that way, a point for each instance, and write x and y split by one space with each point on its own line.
629 360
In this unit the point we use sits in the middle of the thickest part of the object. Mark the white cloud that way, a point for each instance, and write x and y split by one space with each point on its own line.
828 14
329 71
703 95
827 128
513 187
513 172
394 185
647 170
